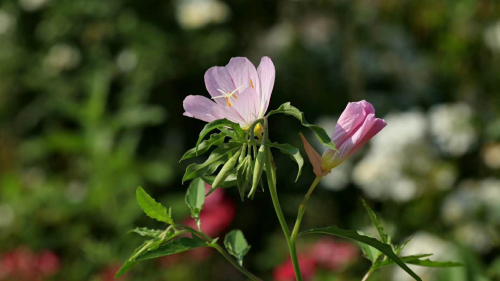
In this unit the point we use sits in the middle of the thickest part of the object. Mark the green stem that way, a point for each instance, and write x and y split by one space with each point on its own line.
302 209
271 180
365 278
221 251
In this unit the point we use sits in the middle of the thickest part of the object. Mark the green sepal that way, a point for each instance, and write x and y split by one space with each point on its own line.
236 245
217 124
220 155
257 169
230 180
224 172
214 140
354 235
152 208
322 136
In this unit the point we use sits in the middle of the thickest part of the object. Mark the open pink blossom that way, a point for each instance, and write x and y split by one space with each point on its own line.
239 92
356 126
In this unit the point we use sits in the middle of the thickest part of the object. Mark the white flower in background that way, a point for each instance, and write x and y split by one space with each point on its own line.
7 22
316 30
491 155
277 38
382 172
475 235
126 60
425 243
338 178
61 57
492 37
32 5
451 125
192 14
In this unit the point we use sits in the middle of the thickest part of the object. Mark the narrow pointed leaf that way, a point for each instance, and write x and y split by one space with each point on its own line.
214 140
152 208
369 252
146 232
236 245
429 263
354 235
405 259
376 222
322 136
221 123
172 247
293 152
399 248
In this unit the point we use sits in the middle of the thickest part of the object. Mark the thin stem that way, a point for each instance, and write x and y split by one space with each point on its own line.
221 251
271 180
367 274
302 208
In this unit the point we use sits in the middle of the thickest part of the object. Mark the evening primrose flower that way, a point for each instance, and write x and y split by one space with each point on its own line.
356 126
239 92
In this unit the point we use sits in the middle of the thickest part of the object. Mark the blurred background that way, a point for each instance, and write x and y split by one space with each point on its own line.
91 98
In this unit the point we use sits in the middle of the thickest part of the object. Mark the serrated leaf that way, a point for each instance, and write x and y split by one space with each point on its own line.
173 247
383 236
195 198
152 208
430 263
322 136
221 123
216 158
236 245
146 232
291 151
354 235
214 140
405 259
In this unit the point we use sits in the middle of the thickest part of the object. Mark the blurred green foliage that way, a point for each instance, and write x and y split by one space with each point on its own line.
91 107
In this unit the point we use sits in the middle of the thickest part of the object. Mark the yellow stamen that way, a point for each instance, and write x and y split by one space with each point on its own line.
228 102
251 83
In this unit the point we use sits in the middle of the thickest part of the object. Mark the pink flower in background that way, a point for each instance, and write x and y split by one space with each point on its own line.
239 92
22 264
333 255
356 126
285 272
108 273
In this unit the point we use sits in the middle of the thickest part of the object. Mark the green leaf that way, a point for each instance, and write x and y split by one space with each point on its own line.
130 262
354 235
293 152
221 123
429 263
369 252
219 156
195 198
173 247
214 140
236 245
152 208
376 222
245 173
405 259
144 231
230 180
322 136
399 248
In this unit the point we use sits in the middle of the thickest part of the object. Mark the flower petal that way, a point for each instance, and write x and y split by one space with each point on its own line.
199 107
313 156
267 73
229 113
350 120
218 78
243 74
247 105
368 130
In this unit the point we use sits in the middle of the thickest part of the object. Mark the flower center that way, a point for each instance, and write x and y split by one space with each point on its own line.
228 95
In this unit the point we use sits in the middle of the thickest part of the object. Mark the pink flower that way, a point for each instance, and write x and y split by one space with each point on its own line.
22 264
240 93
285 272
333 255
356 126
